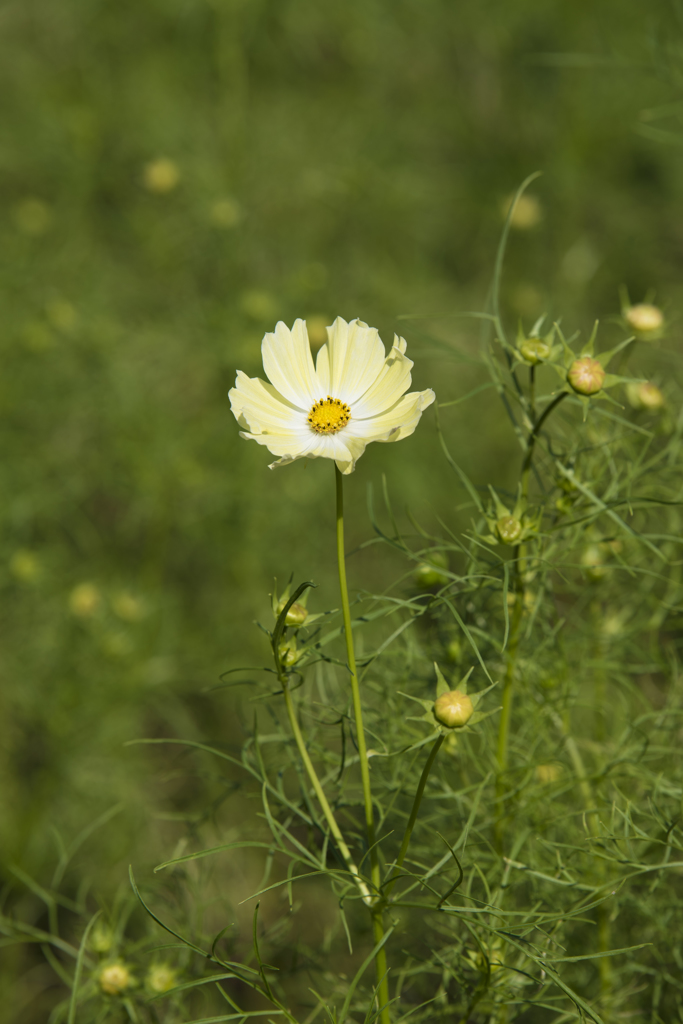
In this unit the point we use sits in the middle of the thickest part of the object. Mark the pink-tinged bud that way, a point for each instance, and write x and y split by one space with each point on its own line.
586 376
453 709
646 321
509 529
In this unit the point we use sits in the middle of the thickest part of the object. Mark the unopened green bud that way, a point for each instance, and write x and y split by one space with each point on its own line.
101 938
24 566
427 574
534 350
296 616
454 650
288 653
586 376
564 504
645 396
453 709
593 562
509 529
646 321
162 978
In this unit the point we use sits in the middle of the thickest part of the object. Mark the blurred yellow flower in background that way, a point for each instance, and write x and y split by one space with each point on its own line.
24 566
527 212
161 175
84 600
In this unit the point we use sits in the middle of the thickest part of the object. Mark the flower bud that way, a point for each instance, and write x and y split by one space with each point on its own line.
509 529
427 574
645 396
453 709
101 938
288 653
162 978
24 566
593 562
296 616
84 600
586 376
526 214
161 175
454 650
646 321
114 979
564 504
547 773
534 350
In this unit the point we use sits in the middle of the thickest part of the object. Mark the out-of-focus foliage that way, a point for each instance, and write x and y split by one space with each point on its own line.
174 178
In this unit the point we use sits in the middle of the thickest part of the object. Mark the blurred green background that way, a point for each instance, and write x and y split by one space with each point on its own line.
177 176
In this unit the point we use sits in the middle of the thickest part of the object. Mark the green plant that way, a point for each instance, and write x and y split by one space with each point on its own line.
493 869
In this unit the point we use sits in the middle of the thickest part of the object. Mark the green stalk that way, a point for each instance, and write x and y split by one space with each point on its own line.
518 615
531 443
320 793
506 715
376 910
413 814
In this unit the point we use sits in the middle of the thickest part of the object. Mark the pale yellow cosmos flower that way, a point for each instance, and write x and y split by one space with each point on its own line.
354 394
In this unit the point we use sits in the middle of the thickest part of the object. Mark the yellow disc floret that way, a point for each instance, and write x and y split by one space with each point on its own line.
329 415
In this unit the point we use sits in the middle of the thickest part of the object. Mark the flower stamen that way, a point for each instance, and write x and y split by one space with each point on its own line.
329 415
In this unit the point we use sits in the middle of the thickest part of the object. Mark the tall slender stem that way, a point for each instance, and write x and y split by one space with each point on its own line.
520 562
506 715
413 814
531 443
320 793
377 922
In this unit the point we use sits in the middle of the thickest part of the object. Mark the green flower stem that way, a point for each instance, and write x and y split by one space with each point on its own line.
517 618
413 814
320 793
506 715
377 922
531 443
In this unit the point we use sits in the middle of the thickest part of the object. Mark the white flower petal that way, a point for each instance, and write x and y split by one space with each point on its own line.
395 423
318 446
260 408
350 359
288 446
355 446
289 366
393 379
351 367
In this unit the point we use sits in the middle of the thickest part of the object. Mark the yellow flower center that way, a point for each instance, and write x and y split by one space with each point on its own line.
329 415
